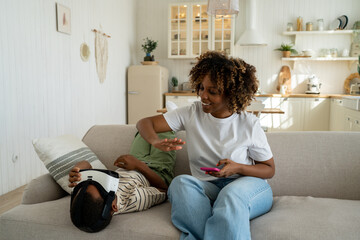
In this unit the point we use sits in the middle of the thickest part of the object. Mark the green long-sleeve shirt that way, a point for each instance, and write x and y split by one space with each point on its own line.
162 163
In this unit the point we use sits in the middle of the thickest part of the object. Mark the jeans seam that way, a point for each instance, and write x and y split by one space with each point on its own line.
263 189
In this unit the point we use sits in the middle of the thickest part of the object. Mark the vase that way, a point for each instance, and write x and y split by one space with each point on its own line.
148 57
286 54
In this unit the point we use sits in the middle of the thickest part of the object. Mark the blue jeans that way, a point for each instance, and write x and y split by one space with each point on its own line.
219 209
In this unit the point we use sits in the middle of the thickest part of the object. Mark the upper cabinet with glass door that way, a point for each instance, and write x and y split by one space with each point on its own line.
223 34
178 30
192 32
200 25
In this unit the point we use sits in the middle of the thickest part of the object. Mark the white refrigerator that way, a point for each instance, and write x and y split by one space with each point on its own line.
146 85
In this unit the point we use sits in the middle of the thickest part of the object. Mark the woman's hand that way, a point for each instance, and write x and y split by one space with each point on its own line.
261 169
74 176
169 144
230 168
128 162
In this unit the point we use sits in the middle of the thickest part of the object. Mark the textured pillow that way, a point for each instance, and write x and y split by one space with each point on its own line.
60 154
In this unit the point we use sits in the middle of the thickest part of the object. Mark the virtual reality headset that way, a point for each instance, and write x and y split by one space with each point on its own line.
106 182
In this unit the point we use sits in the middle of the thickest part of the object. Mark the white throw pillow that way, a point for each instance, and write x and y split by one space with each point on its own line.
60 154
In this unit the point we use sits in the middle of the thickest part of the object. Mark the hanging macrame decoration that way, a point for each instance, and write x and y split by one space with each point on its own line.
101 54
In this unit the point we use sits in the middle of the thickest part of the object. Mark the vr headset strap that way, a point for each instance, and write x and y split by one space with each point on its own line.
108 205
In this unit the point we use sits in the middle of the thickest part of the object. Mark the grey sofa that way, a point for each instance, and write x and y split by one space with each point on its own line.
316 188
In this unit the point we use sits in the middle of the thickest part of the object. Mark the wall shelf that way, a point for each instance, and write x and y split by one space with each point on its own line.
350 60
318 32
295 34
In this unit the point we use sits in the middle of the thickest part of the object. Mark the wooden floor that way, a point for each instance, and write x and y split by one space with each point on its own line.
11 199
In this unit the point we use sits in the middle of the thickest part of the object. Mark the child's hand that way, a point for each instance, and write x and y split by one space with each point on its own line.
128 162
169 144
74 176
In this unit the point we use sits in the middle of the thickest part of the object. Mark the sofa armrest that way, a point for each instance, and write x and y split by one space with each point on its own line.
42 189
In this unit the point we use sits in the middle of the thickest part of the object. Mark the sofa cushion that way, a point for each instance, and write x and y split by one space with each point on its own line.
290 218
318 164
308 218
51 220
60 154
109 142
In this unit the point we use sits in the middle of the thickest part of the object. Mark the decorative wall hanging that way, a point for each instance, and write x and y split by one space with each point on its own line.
84 52
101 53
63 17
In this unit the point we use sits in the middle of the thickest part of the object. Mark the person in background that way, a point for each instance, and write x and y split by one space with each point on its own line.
219 133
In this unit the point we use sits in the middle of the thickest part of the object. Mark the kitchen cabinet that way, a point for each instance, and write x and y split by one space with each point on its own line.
293 119
301 114
352 120
192 31
316 114
316 40
182 101
356 125
337 113
343 118
265 119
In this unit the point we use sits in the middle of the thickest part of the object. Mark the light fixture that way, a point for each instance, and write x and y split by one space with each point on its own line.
251 36
223 7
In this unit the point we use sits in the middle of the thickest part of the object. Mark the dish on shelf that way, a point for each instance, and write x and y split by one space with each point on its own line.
336 24
344 21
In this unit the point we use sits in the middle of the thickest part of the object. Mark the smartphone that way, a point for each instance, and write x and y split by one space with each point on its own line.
208 169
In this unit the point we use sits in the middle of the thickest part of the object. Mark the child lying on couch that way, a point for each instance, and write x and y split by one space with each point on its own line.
144 176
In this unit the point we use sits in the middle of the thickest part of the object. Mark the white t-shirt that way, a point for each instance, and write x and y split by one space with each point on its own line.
239 138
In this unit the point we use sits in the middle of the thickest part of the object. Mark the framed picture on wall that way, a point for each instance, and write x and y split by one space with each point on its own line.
63 17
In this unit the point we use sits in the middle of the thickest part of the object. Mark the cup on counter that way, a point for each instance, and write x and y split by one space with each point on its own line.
334 52
345 53
309 26
290 27
324 52
320 23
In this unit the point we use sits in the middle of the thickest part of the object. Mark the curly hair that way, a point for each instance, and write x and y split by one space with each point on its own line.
232 76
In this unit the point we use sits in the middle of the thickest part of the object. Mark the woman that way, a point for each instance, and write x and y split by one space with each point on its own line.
217 205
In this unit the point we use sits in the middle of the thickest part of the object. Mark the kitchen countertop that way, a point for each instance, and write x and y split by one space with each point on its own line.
295 95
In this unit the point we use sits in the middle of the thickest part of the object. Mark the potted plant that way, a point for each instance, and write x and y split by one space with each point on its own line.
149 46
175 84
287 49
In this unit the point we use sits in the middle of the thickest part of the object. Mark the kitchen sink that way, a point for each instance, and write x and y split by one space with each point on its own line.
352 102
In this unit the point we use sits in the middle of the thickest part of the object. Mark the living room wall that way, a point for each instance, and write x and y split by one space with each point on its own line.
46 89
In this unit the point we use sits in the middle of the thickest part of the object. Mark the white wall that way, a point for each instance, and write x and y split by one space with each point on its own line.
272 18
45 88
